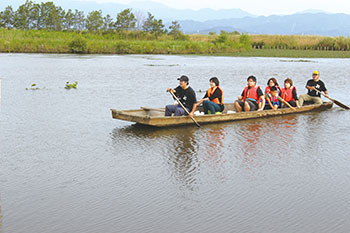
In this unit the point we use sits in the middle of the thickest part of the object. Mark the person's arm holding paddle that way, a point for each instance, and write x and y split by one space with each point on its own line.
286 103
313 88
186 98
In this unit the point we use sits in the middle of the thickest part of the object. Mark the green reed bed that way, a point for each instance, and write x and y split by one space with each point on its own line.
293 53
40 41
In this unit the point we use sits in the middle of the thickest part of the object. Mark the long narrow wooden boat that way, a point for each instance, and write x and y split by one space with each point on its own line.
155 116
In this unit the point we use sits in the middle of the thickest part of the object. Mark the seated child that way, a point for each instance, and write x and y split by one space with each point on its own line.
273 100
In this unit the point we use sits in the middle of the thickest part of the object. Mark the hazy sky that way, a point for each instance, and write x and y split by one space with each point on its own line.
257 7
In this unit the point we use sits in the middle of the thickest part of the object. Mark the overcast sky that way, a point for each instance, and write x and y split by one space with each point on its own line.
257 7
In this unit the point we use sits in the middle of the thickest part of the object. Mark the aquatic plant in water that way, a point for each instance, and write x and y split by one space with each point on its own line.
33 87
71 85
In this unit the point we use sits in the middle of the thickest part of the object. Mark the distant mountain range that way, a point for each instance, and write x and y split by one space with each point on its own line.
310 22
159 10
296 24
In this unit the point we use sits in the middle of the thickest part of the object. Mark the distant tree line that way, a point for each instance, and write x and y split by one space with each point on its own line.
48 16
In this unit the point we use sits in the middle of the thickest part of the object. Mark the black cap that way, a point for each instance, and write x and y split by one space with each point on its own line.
183 78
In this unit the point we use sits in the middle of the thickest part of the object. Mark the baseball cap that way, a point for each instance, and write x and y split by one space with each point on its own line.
183 78
316 72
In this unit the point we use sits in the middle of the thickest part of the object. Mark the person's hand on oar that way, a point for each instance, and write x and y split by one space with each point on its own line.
190 114
170 90
325 94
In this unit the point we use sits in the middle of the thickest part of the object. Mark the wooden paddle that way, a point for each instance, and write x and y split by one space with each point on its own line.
290 106
333 100
286 103
283 101
184 108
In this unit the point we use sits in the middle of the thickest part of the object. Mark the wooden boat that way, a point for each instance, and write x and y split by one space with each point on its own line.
155 116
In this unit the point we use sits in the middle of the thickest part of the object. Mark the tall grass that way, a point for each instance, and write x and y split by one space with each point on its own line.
136 42
300 42
40 41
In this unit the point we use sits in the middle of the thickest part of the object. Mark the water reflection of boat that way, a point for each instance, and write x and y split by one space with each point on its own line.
155 116
259 138
178 146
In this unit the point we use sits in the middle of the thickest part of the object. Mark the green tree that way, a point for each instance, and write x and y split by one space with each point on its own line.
7 17
52 16
126 20
154 26
244 41
79 20
36 16
175 30
222 39
94 21
107 23
22 16
68 20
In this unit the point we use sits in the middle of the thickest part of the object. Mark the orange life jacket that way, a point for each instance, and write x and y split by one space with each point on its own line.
287 94
211 91
252 93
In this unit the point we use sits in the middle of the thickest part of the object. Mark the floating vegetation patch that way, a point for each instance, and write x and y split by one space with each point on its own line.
71 85
33 87
301 60
162 65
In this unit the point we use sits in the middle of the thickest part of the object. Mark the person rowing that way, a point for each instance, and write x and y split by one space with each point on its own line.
252 97
186 96
311 86
213 100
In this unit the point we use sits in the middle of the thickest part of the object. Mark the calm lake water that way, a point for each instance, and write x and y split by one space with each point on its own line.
67 166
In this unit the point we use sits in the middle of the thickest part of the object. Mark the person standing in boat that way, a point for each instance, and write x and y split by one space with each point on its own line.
187 97
213 100
312 95
289 93
252 97
272 82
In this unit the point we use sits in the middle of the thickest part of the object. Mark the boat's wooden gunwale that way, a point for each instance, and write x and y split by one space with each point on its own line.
162 121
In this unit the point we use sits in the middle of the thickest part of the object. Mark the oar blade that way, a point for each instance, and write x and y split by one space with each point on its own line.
340 104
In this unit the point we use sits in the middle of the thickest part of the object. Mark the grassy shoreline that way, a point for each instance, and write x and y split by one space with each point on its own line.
252 53
289 53
67 42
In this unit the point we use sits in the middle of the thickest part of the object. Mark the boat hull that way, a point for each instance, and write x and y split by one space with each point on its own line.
155 116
